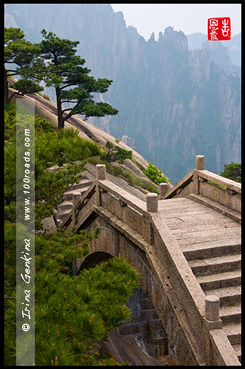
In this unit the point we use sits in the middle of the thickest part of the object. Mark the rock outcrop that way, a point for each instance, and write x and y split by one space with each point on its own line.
174 103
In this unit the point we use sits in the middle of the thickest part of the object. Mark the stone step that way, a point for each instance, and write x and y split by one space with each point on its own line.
175 201
186 221
223 263
230 313
238 351
216 206
210 228
233 332
65 205
224 279
232 240
227 295
83 183
69 194
62 215
206 237
210 250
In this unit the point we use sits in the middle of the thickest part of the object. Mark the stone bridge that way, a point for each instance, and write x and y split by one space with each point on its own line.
186 243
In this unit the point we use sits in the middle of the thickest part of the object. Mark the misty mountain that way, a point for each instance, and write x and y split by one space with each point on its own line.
227 54
174 102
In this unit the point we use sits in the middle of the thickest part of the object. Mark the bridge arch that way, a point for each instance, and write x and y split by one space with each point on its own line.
147 301
93 259
145 326
138 231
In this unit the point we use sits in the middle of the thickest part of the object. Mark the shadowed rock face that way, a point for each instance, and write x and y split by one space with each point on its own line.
126 349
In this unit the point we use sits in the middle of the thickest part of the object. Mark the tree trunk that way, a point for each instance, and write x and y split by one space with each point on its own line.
59 110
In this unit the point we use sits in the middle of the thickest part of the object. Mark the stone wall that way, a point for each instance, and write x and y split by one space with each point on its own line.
145 326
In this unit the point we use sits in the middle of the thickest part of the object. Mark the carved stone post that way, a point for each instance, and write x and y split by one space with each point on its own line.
100 171
76 197
212 308
210 321
163 190
199 166
200 162
100 175
152 202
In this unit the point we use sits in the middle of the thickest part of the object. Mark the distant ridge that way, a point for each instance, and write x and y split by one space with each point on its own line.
174 103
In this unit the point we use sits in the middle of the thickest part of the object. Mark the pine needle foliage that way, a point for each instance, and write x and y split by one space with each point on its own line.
116 153
20 53
233 171
51 148
72 313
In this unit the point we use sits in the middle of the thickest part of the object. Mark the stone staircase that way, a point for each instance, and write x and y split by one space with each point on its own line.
211 243
221 276
76 190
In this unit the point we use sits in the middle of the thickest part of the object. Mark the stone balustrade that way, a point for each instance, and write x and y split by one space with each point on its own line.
141 224
201 182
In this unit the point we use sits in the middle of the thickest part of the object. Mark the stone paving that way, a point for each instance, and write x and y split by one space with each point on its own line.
211 243
193 239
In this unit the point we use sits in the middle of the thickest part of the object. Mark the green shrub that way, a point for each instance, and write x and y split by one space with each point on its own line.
116 153
72 313
154 174
233 171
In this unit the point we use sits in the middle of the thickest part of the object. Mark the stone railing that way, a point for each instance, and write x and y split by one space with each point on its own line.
142 224
220 190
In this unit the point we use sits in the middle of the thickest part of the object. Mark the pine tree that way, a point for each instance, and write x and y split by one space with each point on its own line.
58 66
72 313
18 51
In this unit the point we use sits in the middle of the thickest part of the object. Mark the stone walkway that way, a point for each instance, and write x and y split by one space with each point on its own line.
211 243
202 241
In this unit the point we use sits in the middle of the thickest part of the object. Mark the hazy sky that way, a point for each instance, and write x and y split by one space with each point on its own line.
188 18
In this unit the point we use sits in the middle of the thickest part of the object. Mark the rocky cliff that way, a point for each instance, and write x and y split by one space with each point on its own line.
174 103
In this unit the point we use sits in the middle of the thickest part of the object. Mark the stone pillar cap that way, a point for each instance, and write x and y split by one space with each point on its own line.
152 202
200 162
212 305
151 194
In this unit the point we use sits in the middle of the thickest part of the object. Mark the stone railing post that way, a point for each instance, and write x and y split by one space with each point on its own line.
152 202
100 171
75 198
210 321
212 305
200 162
163 190
151 207
100 175
199 166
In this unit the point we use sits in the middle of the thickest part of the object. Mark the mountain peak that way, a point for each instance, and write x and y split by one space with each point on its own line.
177 38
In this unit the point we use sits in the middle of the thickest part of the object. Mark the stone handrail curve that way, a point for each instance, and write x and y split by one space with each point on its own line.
206 176
214 188
194 301
219 180
194 296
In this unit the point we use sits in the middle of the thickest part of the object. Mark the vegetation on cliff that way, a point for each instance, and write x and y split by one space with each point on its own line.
174 102
155 174
72 313
233 171
21 53
54 62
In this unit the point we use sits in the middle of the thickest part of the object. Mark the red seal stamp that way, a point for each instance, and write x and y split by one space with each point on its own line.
219 29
